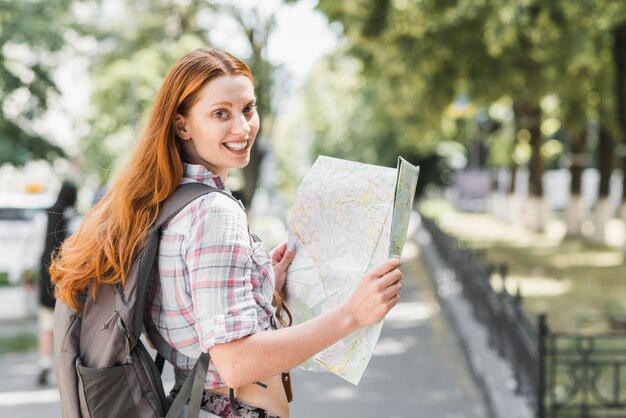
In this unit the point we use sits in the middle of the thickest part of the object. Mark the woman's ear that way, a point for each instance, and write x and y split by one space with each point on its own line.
180 127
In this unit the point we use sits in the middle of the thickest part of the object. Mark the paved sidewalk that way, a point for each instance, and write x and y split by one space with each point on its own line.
418 370
492 374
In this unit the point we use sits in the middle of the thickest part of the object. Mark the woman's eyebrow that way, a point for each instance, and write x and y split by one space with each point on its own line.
227 104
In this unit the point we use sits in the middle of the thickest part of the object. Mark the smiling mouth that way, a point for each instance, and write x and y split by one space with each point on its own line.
237 146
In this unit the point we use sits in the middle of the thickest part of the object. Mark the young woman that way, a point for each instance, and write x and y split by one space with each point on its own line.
59 219
216 281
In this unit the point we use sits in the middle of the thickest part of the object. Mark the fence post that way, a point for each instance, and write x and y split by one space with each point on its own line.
541 374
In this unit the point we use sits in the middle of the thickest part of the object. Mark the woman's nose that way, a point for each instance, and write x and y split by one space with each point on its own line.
241 125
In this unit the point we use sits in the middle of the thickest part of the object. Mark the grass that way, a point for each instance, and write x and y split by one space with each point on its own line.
18 343
578 285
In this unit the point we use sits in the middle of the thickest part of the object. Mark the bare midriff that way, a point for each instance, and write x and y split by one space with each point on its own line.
272 398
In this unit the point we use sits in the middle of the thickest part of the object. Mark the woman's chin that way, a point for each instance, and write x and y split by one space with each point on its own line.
242 162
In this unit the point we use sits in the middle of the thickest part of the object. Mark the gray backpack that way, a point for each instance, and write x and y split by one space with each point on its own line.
103 368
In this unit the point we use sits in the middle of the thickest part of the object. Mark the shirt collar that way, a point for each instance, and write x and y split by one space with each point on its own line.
201 174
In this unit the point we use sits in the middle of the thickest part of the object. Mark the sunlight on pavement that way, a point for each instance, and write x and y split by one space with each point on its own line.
533 286
614 231
409 313
484 228
588 259
29 397
341 393
393 346
556 230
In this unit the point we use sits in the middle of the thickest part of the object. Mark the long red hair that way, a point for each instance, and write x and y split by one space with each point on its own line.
111 232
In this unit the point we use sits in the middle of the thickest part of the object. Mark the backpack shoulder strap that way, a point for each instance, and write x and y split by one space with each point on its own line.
182 196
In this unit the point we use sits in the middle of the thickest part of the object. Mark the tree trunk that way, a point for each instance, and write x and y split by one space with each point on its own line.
513 178
512 203
535 184
574 212
619 56
528 116
602 211
605 161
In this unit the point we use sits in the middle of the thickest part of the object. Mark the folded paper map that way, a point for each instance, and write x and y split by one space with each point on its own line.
347 218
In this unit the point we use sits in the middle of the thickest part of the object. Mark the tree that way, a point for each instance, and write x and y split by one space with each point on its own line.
30 48
435 51
429 52
409 75
139 49
588 59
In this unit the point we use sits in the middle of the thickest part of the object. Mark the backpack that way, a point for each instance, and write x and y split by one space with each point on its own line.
103 368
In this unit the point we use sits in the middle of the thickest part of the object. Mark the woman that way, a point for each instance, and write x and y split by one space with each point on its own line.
59 216
215 281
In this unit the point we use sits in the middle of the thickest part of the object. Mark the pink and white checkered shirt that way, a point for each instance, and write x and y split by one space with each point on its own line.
215 280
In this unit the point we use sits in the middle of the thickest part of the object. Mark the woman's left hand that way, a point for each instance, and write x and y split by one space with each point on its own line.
281 259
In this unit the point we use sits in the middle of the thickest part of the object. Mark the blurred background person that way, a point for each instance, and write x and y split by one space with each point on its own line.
60 224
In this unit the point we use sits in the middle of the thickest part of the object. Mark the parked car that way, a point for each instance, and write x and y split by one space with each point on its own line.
22 229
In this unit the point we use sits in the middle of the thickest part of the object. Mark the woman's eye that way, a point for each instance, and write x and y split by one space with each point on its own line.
249 108
220 114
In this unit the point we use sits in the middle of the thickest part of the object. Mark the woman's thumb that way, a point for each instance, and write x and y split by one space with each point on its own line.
289 256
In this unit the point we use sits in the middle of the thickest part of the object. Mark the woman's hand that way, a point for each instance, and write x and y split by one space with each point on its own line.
376 294
263 354
281 259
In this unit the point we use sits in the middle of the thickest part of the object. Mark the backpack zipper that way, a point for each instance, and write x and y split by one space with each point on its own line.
122 328
107 323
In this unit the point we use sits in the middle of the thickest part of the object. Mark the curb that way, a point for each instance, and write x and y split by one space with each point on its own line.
492 375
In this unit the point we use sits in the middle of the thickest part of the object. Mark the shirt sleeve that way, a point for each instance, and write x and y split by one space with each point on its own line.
219 266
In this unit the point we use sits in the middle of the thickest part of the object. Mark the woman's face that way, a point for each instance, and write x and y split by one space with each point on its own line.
221 126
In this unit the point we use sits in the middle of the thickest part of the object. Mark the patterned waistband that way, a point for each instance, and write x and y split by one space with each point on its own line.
220 405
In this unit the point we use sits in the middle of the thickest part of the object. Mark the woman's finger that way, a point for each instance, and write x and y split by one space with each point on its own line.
287 258
385 267
393 301
390 278
393 290
279 252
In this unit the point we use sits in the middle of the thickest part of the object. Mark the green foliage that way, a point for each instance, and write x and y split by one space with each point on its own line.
136 53
30 48
125 87
412 66
416 58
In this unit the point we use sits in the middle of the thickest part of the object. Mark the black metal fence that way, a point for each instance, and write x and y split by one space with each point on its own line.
586 375
561 375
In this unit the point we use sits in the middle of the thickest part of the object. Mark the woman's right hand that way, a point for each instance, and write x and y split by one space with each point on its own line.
257 356
376 294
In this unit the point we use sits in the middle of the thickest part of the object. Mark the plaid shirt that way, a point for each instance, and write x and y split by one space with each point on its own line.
215 280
